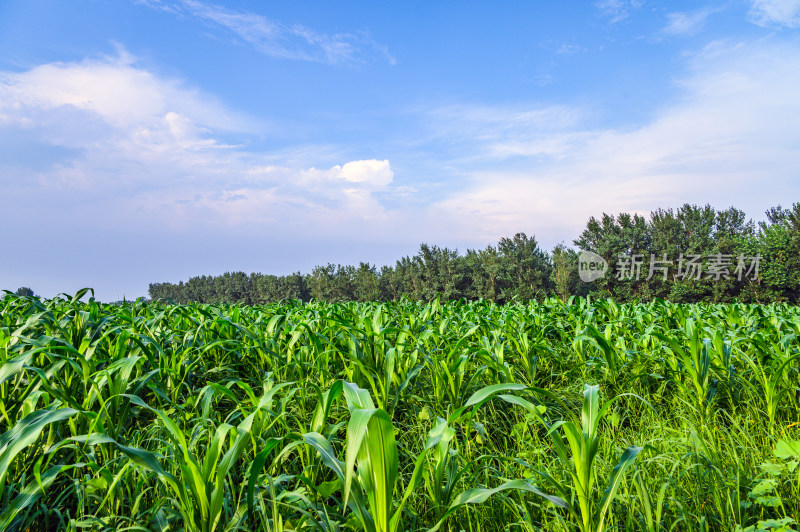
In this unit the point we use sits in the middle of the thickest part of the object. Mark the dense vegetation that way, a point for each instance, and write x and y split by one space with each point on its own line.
587 415
518 269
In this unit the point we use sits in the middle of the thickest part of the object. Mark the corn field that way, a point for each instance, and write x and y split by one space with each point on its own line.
400 416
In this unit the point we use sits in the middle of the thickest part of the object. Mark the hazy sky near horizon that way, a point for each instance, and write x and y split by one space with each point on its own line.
155 140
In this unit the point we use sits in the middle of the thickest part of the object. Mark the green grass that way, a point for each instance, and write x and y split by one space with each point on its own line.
589 416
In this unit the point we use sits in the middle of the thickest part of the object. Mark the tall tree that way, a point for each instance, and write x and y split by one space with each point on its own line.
779 250
527 266
365 283
625 242
564 276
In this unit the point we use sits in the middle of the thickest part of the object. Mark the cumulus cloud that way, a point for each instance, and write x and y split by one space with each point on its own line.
279 40
144 147
113 88
116 114
371 172
776 13
328 200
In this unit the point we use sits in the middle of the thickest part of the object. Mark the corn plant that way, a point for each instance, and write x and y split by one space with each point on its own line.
578 456
396 416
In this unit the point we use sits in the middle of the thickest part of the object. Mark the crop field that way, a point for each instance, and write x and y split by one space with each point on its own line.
402 416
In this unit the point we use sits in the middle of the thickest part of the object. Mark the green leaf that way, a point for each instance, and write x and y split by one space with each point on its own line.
357 397
480 495
14 366
26 431
591 407
138 456
771 468
31 493
787 449
371 443
252 477
483 395
777 525
326 489
627 459
765 486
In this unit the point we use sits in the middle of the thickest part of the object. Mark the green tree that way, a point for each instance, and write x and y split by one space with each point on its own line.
564 275
365 283
732 231
333 283
625 242
526 269
439 272
483 270
779 250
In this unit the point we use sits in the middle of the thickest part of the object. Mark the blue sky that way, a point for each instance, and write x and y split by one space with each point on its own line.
154 140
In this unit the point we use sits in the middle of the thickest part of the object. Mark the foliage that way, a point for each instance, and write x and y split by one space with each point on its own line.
687 255
24 291
398 416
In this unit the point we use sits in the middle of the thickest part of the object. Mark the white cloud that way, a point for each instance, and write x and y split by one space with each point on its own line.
159 5
618 10
146 155
569 49
279 40
293 202
731 138
504 131
142 144
685 23
370 173
776 12
114 92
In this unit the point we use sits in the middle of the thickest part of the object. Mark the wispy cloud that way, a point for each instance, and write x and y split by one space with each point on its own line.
279 40
618 10
499 132
686 23
776 13
569 49
730 138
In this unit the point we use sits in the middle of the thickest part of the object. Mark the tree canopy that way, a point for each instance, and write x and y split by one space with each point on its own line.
691 254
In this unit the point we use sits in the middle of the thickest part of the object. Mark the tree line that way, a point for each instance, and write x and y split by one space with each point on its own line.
690 254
